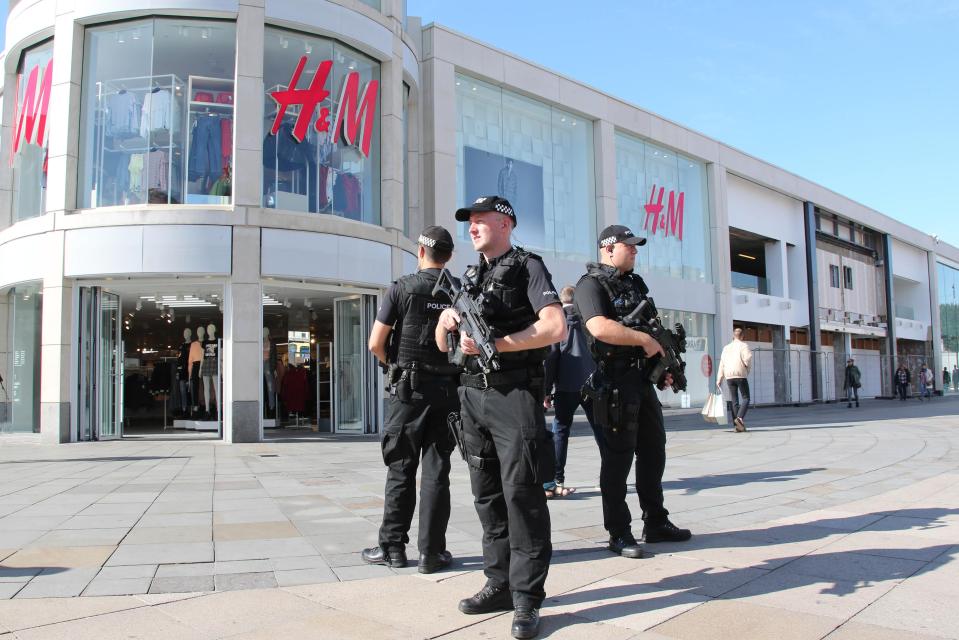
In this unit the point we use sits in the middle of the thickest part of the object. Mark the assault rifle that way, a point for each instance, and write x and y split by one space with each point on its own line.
471 321
645 318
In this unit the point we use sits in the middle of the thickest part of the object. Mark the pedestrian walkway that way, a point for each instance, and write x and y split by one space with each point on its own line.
818 521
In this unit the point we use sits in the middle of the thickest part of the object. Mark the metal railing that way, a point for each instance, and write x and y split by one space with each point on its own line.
785 376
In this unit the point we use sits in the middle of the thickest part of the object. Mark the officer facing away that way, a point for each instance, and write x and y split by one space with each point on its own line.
625 407
422 395
510 451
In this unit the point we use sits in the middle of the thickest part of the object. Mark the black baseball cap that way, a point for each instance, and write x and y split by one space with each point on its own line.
618 233
484 204
436 238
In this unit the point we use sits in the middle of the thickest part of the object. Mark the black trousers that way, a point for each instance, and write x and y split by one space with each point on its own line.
506 428
739 387
641 434
415 430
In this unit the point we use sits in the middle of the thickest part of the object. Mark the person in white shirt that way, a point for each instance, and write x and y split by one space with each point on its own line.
734 366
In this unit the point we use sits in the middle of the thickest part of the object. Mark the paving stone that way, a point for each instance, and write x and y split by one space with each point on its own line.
58 584
117 586
186 569
67 557
162 553
861 631
242 566
143 623
181 584
254 531
169 534
294 577
233 581
128 571
731 620
263 549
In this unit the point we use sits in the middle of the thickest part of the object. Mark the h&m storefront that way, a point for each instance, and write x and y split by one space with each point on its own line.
201 250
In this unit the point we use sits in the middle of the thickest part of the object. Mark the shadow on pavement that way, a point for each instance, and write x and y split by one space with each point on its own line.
734 479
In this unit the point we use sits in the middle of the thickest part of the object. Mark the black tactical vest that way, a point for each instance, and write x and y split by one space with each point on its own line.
505 304
412 339
625 292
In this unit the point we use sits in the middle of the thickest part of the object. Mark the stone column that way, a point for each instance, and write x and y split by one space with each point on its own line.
7 108
242 340
812 287
64 140
5 361
719 246
56 345
439 141
935 318
604 154
248 109
891 361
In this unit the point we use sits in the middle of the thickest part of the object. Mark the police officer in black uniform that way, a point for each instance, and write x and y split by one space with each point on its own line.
423 392
510 452
626 409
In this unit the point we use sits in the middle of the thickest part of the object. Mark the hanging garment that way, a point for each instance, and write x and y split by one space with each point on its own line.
156 112
155 173
225 97
295 390
136 172
226 139
205 152
202 96
122 114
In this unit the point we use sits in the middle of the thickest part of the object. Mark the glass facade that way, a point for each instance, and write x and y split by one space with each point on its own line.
157 114
30 131
336 170
20 404
949 316
700 357
662 196
538 157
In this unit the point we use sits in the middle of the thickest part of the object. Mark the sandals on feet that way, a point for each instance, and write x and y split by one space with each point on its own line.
563 491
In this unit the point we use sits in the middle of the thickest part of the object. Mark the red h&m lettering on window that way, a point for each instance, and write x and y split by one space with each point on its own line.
670 223
354 116
33 108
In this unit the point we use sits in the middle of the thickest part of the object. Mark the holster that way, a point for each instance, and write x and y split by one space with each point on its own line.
607 407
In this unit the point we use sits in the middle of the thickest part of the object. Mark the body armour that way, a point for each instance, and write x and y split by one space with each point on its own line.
625 292
412 339
505 304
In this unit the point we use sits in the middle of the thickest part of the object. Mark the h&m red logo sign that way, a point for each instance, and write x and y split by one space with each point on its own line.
668 223
354 116
32 117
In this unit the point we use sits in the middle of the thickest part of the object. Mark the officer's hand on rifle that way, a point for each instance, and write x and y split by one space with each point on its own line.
468 345
548 402
449 319
667 380
650 346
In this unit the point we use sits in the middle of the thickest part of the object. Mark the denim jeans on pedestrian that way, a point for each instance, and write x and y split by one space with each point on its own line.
564 406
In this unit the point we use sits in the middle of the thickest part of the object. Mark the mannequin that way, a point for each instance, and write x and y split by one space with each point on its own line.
269 363
183 369
196 358
210 368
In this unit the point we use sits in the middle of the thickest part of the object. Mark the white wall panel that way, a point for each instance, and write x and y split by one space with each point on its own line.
91 8
103 250
764 211
303 254
24 259
337 21
187 249
909 262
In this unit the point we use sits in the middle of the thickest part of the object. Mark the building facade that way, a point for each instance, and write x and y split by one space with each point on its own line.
202 202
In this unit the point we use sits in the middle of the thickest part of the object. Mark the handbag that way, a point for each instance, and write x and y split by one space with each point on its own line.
717 412
707 408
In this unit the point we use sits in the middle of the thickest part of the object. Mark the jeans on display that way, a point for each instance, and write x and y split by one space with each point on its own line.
268 377
736 387
183 394
564 406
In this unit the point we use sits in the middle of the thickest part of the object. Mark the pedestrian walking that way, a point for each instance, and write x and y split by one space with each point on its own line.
902 380
734 363
568 365
955 377
423 392
851 382
625 406
946 379
508 446
925 382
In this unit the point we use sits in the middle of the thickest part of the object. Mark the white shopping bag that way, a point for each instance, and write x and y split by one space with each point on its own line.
708 407
717 411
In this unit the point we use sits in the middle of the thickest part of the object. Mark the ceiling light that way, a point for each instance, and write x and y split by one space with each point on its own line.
743 255
205 33
284 42
307 303
136 34
308 48
139 306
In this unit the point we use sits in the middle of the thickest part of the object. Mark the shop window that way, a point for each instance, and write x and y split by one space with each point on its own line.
21 310
406 159
700 351
847 278
834 276
31 131
321 155
662 195
538 157
157 115
747 254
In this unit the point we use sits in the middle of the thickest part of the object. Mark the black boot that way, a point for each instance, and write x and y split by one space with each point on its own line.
525 622
665 532
490 598
625 545
394 557
430 562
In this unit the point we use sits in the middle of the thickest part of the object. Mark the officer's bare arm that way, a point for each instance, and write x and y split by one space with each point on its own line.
548 329
378 338
612 332
448 321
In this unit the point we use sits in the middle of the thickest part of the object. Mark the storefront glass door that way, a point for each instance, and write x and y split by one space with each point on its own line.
354 372
100 390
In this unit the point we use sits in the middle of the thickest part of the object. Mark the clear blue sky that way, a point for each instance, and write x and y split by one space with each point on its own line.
860 96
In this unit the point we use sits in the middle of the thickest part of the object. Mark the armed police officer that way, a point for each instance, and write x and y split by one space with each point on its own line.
509 451
626 409
422 394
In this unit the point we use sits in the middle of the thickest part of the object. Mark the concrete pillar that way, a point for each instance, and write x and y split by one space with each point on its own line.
242 340
248 109
7 108
891 360
812 287
439 142
936 320
391 140
5 361
604 155
56 345
64 140
719 247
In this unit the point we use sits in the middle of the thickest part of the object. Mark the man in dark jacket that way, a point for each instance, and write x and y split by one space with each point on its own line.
852 382
902 379
568 365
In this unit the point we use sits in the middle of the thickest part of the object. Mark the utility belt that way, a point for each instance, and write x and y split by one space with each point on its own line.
510 377
404 381
610 392
615 367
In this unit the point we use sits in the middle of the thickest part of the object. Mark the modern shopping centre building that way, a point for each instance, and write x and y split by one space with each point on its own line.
201 201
